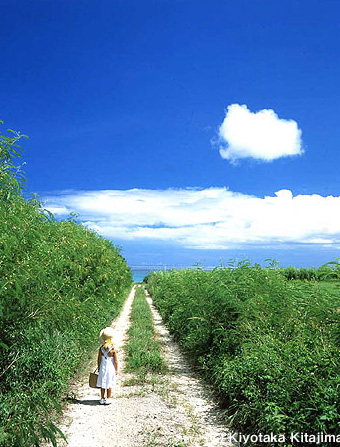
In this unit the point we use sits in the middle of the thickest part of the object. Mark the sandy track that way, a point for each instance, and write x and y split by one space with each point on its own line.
195 396
175 410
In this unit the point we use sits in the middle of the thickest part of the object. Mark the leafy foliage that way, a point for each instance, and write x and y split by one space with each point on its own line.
59 284
269 345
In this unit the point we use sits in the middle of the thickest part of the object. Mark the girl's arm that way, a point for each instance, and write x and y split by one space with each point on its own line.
99 358
115 360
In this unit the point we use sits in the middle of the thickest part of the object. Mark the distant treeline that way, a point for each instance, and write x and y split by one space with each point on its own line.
59 284
270 346
329 271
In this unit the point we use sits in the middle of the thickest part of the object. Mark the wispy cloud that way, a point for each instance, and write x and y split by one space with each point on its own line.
261 135
213 218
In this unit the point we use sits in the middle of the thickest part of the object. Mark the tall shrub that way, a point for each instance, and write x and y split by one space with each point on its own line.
59 284
269 345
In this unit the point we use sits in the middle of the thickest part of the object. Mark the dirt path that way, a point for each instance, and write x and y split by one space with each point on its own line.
175 410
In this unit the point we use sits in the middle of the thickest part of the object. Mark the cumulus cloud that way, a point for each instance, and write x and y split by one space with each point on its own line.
212 218
261 135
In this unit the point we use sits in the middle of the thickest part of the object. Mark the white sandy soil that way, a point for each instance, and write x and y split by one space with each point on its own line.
175 410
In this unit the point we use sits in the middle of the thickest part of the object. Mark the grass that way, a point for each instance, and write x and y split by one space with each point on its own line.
143 351
144 359
331 287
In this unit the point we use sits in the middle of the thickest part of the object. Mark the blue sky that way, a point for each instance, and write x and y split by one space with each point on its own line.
171 126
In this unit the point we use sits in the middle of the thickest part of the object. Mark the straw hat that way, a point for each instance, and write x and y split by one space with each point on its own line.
106 337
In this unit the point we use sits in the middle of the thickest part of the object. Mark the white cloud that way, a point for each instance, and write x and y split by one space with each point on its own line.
212 218
261 135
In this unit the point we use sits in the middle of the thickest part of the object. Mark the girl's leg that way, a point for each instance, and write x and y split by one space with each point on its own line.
102 393
109 391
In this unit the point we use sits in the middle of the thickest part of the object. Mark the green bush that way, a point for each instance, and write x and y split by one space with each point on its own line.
60 283
270 346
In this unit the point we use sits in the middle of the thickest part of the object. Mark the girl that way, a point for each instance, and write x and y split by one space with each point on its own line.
107 365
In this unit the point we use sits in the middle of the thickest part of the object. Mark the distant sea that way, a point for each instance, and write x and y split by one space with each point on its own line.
140 272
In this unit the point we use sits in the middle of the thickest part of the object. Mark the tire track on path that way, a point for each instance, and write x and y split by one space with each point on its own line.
174 410
196 397
88 424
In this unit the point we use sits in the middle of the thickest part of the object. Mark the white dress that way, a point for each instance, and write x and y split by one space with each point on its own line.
107 373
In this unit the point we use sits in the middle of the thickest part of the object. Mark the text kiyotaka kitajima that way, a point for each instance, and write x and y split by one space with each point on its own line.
298 437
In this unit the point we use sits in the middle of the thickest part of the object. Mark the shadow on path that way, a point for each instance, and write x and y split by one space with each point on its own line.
84 402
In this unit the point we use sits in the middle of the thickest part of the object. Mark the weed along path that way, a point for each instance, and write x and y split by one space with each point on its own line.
172 409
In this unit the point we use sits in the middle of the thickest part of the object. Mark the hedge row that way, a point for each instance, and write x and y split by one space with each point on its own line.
60 283
270 346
